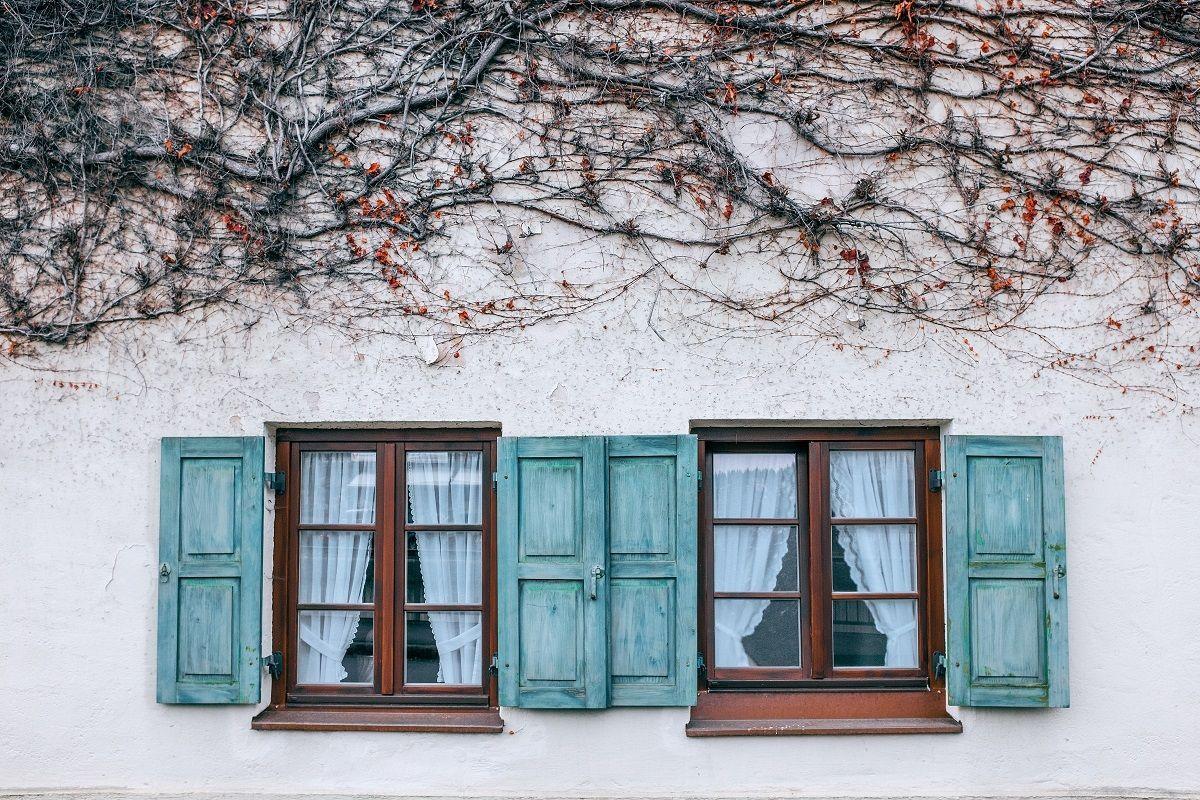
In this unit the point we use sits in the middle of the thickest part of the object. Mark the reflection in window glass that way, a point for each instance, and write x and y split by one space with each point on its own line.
336 647
337 488
336 567
757 633
445 568
874 558
754 485
875 633
445 488
443 647
755 558
871 483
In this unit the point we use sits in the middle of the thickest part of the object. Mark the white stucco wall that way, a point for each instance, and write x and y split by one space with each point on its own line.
78 523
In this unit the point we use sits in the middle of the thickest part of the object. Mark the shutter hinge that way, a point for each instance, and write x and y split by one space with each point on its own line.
939 664
495 479
494 667
936 478
700 662
274 664
275 481
699 478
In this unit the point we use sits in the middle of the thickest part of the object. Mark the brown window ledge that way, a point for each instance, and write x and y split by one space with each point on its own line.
403 720
824 712
804 727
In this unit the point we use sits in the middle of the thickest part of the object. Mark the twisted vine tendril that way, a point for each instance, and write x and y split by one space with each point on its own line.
1023 173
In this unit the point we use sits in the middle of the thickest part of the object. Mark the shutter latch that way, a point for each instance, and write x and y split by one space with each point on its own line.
936 478
494 668
274 664
939 665
275 481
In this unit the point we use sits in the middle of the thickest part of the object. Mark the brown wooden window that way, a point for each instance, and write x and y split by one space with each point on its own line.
821 570
384 589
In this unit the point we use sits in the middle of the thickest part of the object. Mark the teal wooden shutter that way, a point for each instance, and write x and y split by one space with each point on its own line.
551 538
1006 566
652 490
210 574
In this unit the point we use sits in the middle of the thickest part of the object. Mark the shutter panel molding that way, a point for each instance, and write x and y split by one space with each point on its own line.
210 573
652 501
550 504
1006 571
623 505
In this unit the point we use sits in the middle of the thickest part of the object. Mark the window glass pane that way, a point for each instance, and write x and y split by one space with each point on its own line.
757 633
871 483
337 567
445 568
443 647
755 558
337 488
875 633
754 485
336 647
874 558
445 488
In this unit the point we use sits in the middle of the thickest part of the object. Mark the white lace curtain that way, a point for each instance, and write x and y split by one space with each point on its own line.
748 558
446 488
335 488
881 558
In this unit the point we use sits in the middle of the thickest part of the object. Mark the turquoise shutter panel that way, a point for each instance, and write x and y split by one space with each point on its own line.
551 539
210 574
652 501
1006 566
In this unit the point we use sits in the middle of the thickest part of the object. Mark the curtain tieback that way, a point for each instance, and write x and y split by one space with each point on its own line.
905 628
310 637
737 636
460 641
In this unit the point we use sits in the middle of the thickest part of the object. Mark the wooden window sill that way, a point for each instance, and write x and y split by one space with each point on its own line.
806 713
397 720
828 727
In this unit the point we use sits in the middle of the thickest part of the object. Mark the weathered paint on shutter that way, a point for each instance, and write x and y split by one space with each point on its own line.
1006 570
652 490
210 577
551 537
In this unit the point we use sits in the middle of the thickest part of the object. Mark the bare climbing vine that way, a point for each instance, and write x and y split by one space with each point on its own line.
1019 173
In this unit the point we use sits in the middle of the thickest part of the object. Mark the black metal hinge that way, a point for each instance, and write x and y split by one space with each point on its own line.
700 665
274 664
276 482
936 478
494 667
699 478
495 479
939 664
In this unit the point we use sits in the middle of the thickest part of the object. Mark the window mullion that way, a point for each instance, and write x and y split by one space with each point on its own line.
819 584
399 539
385 514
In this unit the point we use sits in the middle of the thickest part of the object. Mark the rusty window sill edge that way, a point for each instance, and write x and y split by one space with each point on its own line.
704 728
488 721
391 720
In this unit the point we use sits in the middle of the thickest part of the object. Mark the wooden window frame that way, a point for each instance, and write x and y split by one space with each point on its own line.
389 703
817 697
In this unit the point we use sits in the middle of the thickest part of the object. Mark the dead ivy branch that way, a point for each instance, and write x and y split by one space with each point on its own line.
1019 172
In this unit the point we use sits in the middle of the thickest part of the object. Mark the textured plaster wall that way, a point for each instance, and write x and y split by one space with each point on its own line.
78 506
